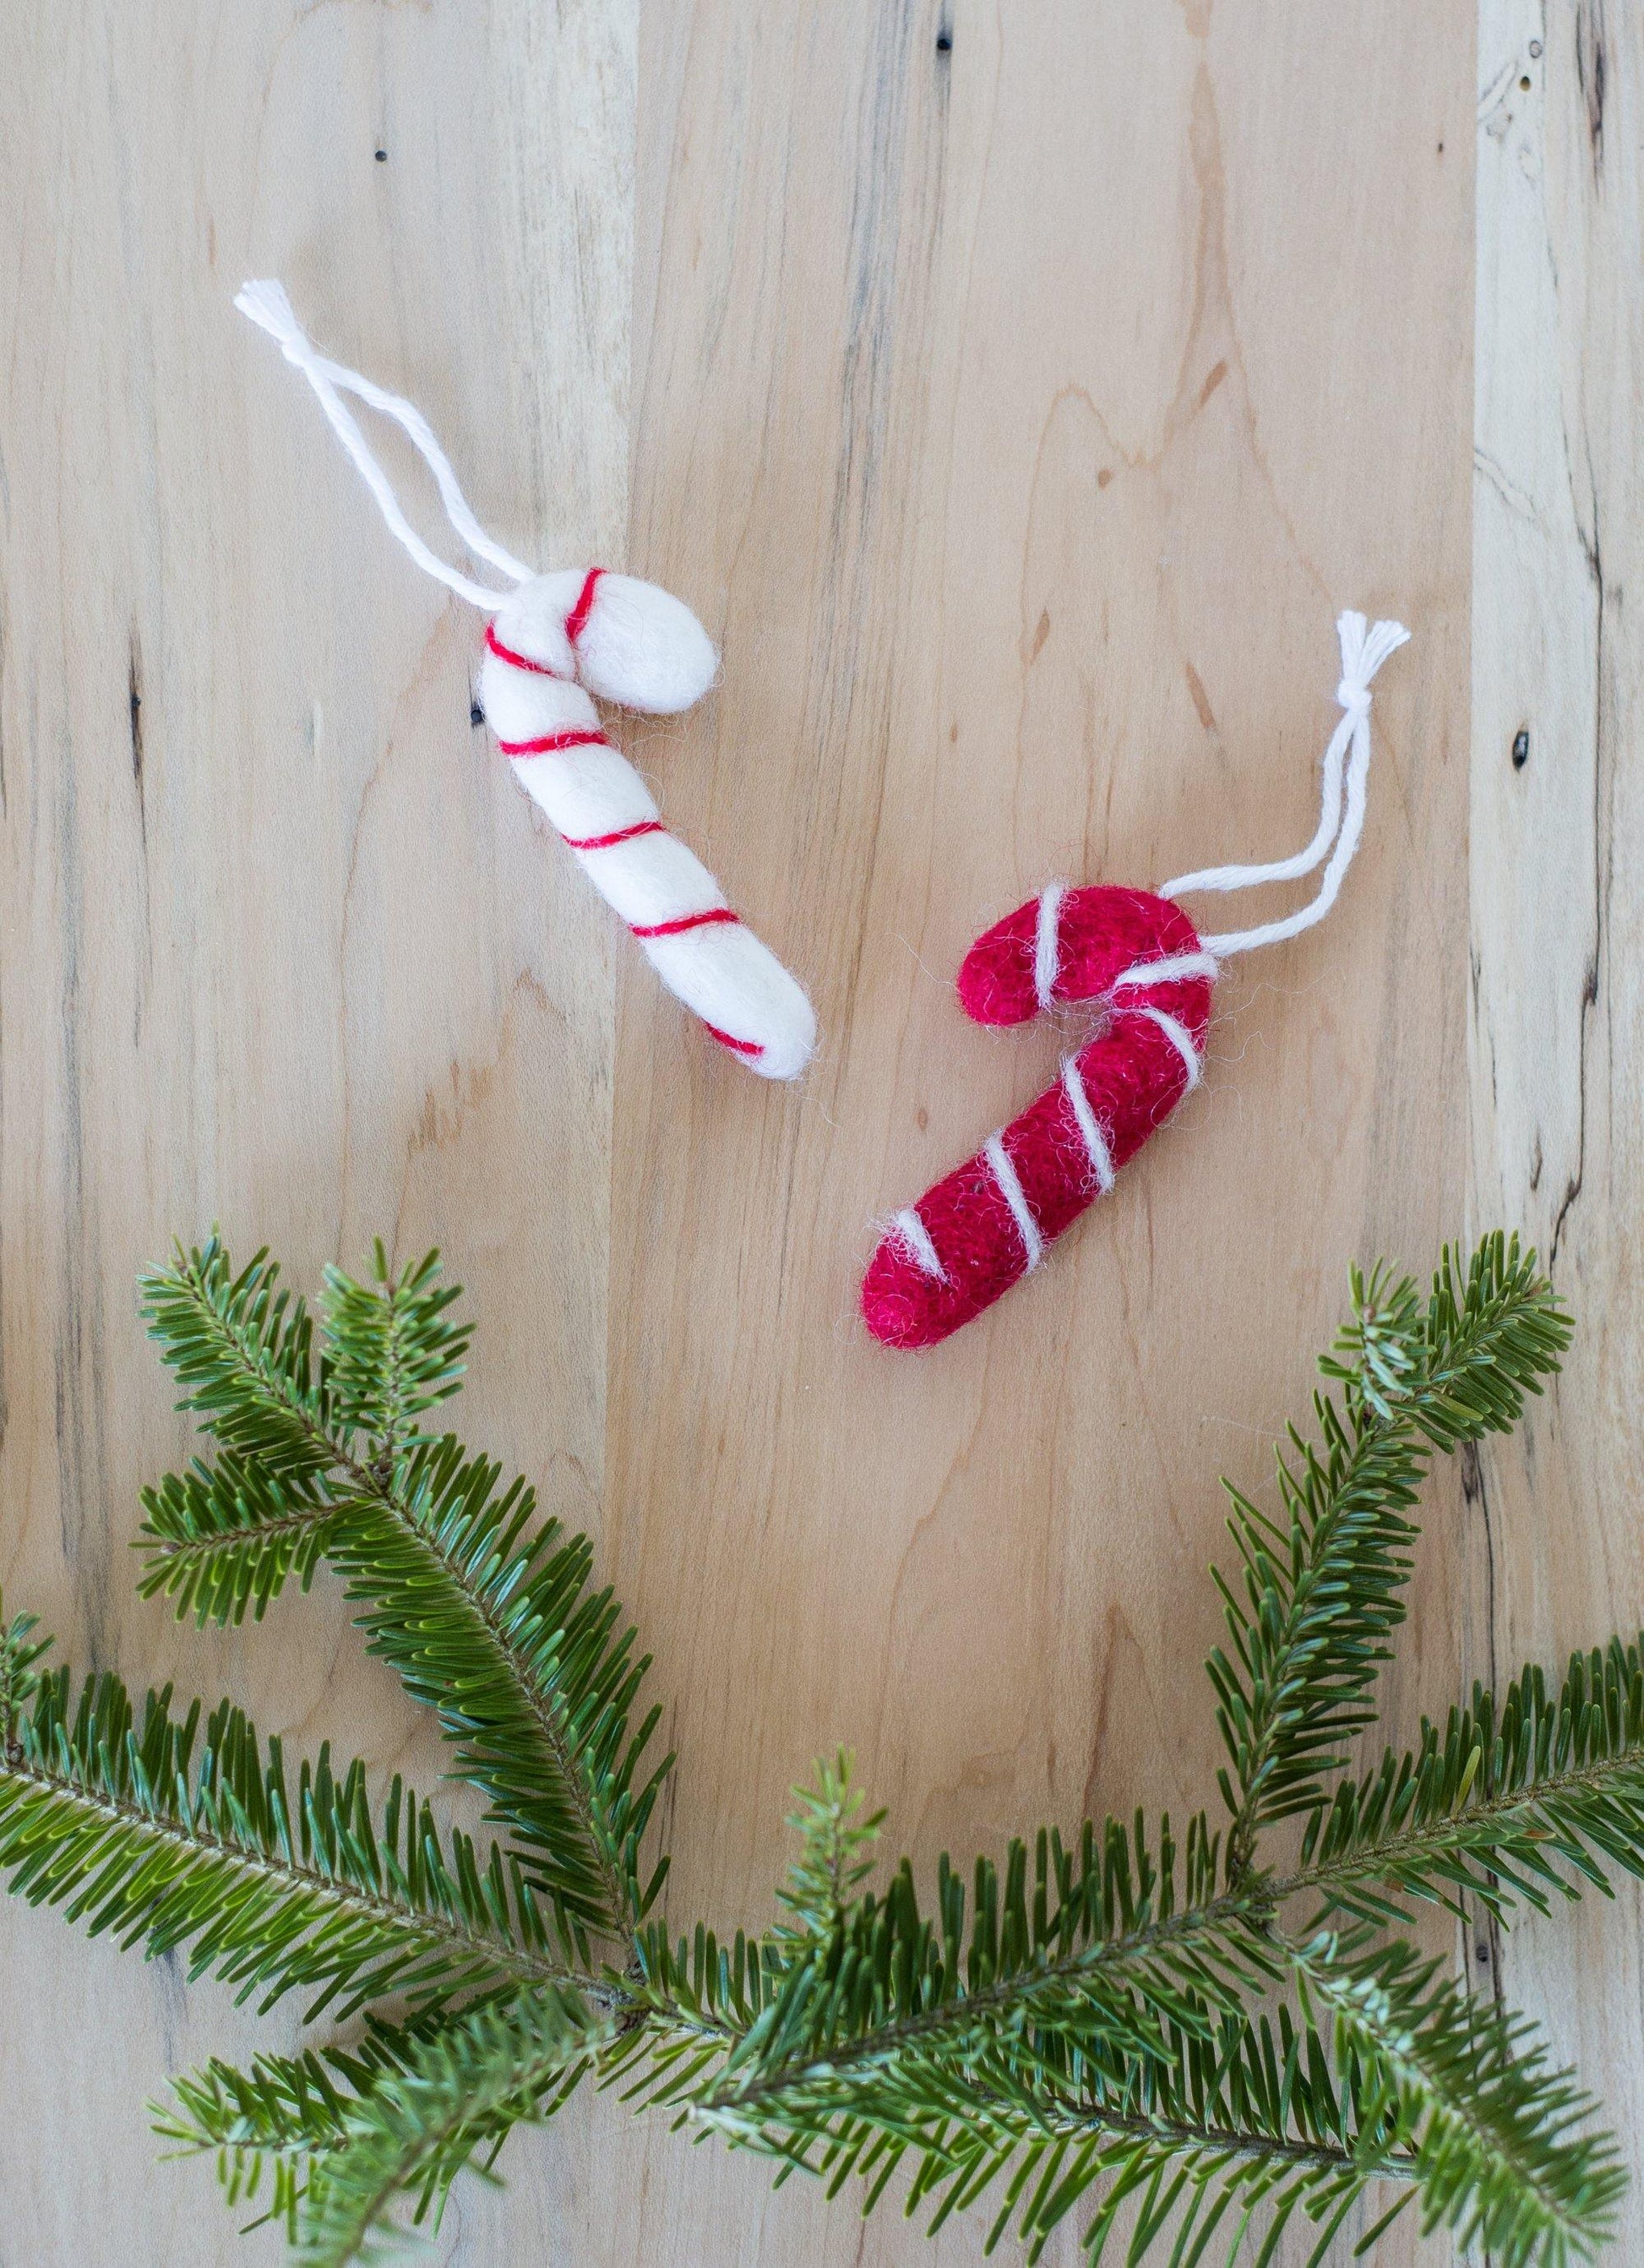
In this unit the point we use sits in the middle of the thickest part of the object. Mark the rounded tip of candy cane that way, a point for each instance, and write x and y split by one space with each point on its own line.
785 1052
1068 945
996 982
919 1288
763 1014
892 1305
642 648
902 1306
753 1006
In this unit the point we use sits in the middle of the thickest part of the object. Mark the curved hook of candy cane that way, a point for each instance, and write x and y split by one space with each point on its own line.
267 305
1364 651
1070 945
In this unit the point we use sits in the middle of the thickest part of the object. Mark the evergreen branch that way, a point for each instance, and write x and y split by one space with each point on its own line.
486 1621
392 1352
19 1651
222 1540
489 1622
1101 1947
1505 1806
341 2137
1227 2116
244 1347
284 2118
1484 1341
1324 1595
685 2007
1322 1588
460 2085
1242 2115
1500 2162
289 2116
125 1826
835 1851
1076 2029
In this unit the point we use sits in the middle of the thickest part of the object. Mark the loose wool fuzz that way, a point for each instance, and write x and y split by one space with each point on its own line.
1139 963
551 643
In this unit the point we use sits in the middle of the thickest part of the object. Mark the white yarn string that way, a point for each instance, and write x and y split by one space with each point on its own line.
1364 651
267 305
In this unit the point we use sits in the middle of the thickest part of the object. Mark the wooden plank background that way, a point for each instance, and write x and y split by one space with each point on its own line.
1018 395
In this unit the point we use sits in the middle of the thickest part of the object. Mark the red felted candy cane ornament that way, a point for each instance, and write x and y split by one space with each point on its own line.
552 643
1138 961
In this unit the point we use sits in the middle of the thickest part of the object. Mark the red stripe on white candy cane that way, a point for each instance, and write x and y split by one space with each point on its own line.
552 744
1138 961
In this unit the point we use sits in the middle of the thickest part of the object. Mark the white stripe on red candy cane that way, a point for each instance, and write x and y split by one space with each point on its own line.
1010 1189
998 1156
1173 971
908 1226
552 642
1176 1033
1047 943
1090 1126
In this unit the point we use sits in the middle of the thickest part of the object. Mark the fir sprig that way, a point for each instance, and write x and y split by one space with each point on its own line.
1196 2047
169 1832
1323 1588
393 1351
1102 1945
485 1614
342 2139
1519 1801
455 2090
1502 2156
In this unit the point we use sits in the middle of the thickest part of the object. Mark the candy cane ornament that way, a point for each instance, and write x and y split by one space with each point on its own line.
549 645
1139 961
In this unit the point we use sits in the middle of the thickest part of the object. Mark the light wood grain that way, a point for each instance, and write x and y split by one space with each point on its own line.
1556 1034
281 944
1023 434
1019 412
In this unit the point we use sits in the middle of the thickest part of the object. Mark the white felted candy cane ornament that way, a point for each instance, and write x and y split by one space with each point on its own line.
1140 963
550 643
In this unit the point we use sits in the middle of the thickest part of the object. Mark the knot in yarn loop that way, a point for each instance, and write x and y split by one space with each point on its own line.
1364 651
1346 774
269 308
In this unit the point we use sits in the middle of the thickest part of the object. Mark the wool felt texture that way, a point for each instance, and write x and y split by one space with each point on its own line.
984 1228
551 643
1139 963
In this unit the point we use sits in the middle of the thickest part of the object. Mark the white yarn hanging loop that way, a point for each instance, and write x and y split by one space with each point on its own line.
267 305
1346 767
